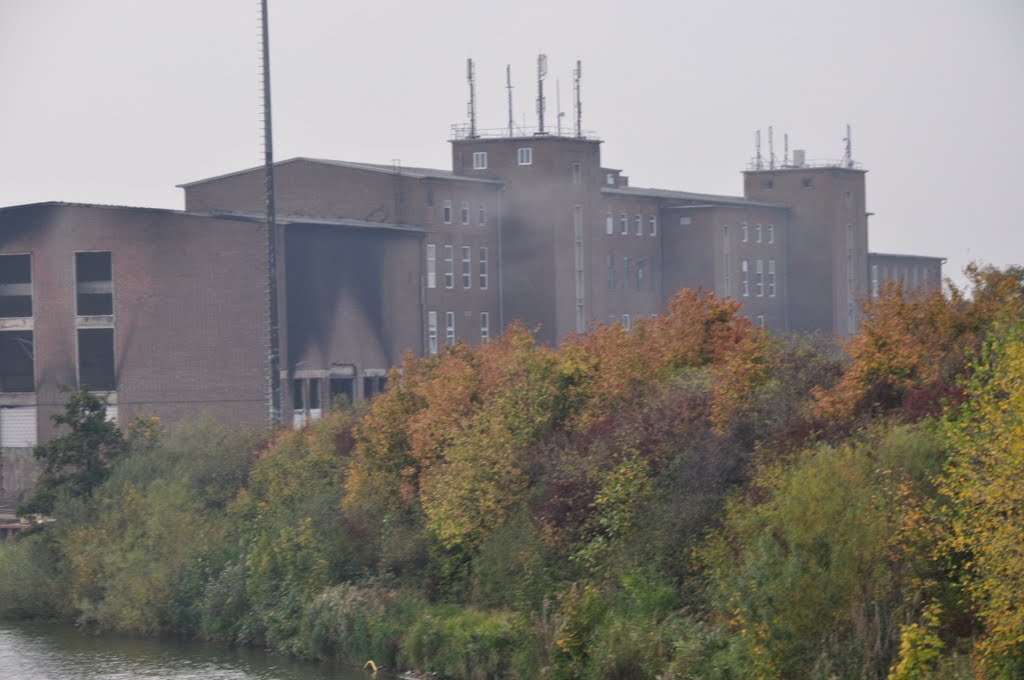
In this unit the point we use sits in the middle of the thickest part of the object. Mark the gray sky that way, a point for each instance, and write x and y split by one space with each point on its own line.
116 101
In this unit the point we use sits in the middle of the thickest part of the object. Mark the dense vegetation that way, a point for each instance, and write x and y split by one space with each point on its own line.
691 499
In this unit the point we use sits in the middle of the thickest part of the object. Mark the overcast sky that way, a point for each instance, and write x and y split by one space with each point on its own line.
117 101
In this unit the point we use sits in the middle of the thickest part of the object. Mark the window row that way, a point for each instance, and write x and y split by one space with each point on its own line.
94 287
94 349
524 156
636 274
762 234
309 394
449 267
762 287
464 213
638 224
449 329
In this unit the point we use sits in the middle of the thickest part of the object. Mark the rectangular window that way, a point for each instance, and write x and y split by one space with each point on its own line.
299 395
525 156
623 224
485 326
744 232
626 322
431 265
638 225
374 382
609 179
757 233
625 273
726 274
609 224
94 284
482 216
15 286
479 160
449 328
577 174
759 281
342 391
771 233
447 212
771 278
17 361
483 268
760 320
745 278
467 268
432 332
449 266
464 212
640 274
653 221
96 358
611 272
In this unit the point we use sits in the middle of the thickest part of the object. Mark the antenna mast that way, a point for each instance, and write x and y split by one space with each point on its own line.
785 152
579 104
508 86
542 70
558 104
771 149
274 349
471 77
848 156
758 163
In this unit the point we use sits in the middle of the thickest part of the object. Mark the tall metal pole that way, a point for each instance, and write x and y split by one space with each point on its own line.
542 70
471 77
579 104
508 84
274 350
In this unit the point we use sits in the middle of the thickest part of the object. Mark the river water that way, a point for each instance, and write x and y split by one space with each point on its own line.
44 651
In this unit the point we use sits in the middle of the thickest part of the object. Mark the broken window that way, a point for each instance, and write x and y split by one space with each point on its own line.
343 392
373 385
94 284
96 358
15 286
17 362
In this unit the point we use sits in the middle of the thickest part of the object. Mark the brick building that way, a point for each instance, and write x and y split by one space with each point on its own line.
166 311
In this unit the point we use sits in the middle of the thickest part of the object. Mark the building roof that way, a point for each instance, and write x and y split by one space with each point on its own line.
907 257
714 199
407 171
283 220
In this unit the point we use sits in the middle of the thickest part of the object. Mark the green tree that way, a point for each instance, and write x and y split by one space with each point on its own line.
77 462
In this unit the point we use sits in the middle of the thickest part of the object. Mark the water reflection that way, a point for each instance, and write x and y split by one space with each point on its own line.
41 651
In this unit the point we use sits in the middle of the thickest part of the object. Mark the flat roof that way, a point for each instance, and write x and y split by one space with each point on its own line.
738 201
406 171
282 219
906 257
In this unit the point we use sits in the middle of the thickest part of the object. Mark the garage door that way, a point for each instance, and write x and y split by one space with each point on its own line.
18 426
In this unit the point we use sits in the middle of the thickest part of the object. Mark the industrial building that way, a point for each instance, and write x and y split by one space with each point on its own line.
166 311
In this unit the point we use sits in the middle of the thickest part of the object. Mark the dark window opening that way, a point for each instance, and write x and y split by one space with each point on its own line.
298 395
314 393
342 392
17 362
15 286
96 358
767 184
806 182
430 197
94 284
373 385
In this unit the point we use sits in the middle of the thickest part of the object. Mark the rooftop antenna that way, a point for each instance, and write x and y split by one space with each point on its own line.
848 155
471 77
758 163
785 152
578 104
558 104
274 341
542 70
508 86
771 149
